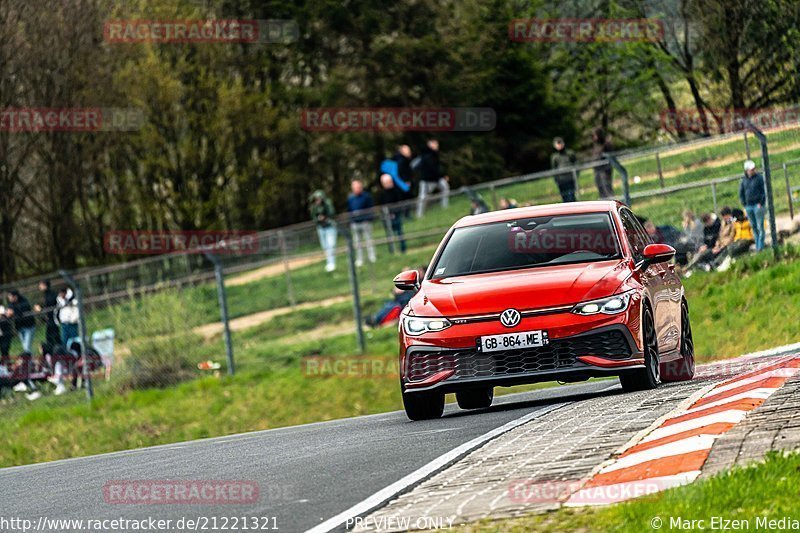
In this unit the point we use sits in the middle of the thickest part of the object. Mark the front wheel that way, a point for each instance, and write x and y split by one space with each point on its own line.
423 405
475 398
649 377
683 368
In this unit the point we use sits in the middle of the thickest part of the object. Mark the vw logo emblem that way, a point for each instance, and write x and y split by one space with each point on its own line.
510 318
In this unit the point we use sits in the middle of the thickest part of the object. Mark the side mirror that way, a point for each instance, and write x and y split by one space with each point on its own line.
658 253
407 281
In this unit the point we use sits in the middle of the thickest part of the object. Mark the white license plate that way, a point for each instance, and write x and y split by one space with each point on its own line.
514 341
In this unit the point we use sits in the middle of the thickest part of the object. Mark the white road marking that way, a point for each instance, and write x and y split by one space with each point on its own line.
785 372
755 394
687 445
732 416
427 470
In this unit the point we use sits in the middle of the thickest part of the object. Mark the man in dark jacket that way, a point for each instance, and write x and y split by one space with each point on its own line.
403 159
359 205
563 158
753 196
389 197
48 306
432 177
406 173
602 174
19 309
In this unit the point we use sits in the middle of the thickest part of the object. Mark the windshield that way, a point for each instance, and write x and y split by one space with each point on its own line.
528 242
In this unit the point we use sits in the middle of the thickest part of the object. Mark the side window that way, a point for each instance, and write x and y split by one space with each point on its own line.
634 232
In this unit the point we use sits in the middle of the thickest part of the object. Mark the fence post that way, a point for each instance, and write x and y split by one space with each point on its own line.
223 309
788 190
351 263
660 173
714 195
494 196
762 139
626 190
86 377
746 145
286 269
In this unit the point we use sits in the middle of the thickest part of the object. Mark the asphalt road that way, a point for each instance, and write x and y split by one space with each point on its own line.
306 474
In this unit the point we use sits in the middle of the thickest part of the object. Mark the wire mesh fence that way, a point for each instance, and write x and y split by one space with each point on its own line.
309 289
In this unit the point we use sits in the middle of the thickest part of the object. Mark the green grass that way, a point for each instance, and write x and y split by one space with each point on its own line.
732 312
769 489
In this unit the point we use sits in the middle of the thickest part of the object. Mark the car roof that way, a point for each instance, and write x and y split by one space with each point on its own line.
570 208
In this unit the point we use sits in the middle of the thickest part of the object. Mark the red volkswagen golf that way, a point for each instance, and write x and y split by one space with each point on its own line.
555 292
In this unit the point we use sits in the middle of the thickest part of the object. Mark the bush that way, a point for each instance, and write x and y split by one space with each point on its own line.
157 346
158 362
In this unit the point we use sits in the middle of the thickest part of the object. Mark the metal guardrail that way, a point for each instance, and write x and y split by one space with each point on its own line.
622 156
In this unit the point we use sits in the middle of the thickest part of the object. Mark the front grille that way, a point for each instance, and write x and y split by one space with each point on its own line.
559 353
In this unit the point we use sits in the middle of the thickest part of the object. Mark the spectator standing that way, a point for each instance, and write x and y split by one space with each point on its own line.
48 307
403 158
563 158
322 213
6 335
67 315
602 174
389 196
359 205
432 177
24 321
753 196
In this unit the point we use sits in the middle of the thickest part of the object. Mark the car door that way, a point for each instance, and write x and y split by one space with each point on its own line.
653 279
668 305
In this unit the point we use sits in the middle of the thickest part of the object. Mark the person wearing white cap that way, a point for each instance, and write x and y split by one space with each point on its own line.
753 196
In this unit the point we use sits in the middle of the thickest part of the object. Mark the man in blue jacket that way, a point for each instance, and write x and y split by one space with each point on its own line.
359 205
753 196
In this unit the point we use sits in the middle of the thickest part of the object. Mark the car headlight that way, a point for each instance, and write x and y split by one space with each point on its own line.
417 326
608 306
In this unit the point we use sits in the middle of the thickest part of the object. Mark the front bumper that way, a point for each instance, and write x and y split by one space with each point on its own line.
602 351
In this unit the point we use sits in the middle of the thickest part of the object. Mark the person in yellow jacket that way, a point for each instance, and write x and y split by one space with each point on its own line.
742 240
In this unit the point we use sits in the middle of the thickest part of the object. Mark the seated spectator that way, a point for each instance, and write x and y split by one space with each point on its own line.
743 239
390 311
671 235
711 227
705 259
507 203
478 207
62 361
692 229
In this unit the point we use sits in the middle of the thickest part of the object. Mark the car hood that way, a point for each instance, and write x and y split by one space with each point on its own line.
530 288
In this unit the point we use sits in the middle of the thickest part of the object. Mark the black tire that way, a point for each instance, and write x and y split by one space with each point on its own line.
423 405
649 377
475 398
683 368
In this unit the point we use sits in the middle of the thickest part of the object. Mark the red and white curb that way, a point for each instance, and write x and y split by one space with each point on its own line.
673 452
